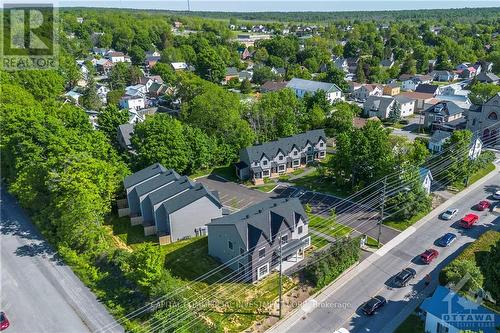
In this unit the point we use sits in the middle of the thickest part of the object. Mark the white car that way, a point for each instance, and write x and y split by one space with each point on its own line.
496 195
449 214
341 330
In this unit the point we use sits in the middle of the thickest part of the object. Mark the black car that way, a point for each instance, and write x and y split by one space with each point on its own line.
403 277
372 305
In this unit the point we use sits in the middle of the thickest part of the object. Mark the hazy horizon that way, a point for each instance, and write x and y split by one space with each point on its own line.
280 6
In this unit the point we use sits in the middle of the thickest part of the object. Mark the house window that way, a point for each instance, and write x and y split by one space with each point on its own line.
309 148
262 253
295 153
322 154
280 158
307 242
296 162
262 271
230 245
441 328
301 229
321 144
266 173
264 162
284 239
281 167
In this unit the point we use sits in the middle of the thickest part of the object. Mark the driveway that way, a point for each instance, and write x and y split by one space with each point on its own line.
232 195
39 293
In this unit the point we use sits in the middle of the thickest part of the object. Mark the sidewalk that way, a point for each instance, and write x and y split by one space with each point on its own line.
297 314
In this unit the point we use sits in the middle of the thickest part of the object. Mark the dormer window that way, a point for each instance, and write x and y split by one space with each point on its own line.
309 148
295 153
321 144
264 162
280 157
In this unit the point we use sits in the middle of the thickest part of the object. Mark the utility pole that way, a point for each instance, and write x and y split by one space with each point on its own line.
381 211
189 7
280 280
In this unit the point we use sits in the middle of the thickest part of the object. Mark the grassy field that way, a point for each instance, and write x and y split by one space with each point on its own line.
328 227
316 182
402 225
412 324
228 172
128 234
481 173
265 188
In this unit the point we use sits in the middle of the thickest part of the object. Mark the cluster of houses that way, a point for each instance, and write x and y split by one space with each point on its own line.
252 241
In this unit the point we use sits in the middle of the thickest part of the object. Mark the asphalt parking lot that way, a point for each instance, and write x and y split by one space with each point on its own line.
233 196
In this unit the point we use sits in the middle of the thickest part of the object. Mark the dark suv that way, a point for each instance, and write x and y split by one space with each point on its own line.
373 304
403 277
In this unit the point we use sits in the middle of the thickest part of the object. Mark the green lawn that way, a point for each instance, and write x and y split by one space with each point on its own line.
412 324
130 235
316 182
481 173
265 188
228 172
328 227
402 225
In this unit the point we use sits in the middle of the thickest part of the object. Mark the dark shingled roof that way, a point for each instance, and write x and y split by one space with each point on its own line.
271 148
263 219
445 108
143 175
378 102
312 86
126 131
426 88
156 182
166 192
439 135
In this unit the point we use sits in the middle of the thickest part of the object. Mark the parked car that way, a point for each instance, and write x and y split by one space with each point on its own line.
4 322
447 239
496 195
341 330
403 277
373 305
449 214
483 205
469 220
429 255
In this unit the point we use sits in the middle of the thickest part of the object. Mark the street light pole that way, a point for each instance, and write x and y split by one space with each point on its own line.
280 279
381 211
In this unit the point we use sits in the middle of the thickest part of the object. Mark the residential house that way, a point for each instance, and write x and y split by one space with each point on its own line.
353 64
475 147
467 73
84 75
426 179
381 106
104 66
179 66
102 92
281 71
487 77
412 82
132 102
421 99
74 96
231 73
245 75
255 240
444 115
275 158
150 61
448 312
444 76
157 89
353 86
462 66
301 87
437 140
341 63
427 89
115 57
432 65
168 205
462 101
246 54
366 90
273 86
124 134
387 63
392 89
485 120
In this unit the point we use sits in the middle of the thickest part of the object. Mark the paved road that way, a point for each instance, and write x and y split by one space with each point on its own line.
340 308
39 293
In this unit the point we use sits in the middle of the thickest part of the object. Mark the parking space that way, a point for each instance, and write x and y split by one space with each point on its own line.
233 196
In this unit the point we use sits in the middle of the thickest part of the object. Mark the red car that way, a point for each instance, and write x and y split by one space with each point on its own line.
4 322
429 255
483 205
468 221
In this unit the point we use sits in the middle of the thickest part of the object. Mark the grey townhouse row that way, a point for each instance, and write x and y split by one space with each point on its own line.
274 158
169 205
250 241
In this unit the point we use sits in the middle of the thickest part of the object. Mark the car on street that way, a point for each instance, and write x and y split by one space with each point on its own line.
447 239
449 214
496 195
483 205
373 305
429 255
4 322
469 220
403 277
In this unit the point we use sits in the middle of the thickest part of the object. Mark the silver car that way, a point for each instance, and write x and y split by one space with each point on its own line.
449 214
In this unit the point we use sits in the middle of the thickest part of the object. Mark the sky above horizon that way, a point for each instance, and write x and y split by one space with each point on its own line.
279 5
